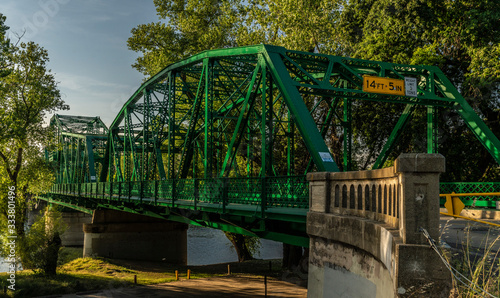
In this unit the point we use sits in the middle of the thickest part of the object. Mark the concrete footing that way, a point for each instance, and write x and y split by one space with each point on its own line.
122 235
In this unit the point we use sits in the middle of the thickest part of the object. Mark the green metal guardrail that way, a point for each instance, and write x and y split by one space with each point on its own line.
287 192
472 187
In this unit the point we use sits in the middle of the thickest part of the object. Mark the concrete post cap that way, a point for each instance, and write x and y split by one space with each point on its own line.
420 162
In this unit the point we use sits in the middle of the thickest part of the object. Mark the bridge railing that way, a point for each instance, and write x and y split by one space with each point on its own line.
404 198
472 188
369 199
267 192
372 194
376 218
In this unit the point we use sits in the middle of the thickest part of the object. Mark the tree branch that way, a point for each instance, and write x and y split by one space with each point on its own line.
7 167
19 162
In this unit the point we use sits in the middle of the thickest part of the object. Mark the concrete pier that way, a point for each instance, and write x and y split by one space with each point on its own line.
365 231
122 235
74 236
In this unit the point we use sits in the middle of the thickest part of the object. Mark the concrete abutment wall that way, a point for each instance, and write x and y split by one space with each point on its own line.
364 229
73 219
74 236
122 235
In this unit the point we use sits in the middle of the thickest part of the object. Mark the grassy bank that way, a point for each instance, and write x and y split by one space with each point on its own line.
89 274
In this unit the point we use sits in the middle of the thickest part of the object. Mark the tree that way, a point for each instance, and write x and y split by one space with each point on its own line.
246 247
189 27
28 91
40 246
296 25
460 37
186 28
5 48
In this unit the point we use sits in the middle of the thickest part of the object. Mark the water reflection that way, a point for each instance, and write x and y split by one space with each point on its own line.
210 246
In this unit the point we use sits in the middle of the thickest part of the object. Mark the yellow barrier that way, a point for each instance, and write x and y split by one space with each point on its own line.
473 219
455 206
473 194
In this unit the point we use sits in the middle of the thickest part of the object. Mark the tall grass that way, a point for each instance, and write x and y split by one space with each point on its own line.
481 266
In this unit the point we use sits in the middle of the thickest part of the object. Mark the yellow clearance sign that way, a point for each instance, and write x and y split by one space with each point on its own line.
383 85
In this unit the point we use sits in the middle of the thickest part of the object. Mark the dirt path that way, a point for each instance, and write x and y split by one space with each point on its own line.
226 286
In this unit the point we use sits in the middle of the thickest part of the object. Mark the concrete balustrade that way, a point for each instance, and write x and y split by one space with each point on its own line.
369 194
364 229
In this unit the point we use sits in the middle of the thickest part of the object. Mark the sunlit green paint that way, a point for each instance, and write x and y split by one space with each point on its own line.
223 114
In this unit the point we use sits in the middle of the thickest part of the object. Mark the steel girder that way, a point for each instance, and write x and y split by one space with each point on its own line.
81 147
242 112
218 129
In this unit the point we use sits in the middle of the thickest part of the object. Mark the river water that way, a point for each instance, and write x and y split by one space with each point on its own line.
210 246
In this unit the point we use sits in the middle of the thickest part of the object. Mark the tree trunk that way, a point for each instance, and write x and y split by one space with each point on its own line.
291 256
52 254
240 246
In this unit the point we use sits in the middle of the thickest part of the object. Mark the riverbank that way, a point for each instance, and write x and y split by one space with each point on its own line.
233 286
88 274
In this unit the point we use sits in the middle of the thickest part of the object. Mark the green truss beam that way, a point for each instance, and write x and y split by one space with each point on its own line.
244 113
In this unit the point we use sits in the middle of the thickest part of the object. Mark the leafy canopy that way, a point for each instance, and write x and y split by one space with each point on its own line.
186 28
461 37
28 91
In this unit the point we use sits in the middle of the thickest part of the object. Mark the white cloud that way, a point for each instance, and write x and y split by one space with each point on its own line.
86 42
92 97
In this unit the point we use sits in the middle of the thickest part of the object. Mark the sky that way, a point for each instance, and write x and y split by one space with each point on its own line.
87 45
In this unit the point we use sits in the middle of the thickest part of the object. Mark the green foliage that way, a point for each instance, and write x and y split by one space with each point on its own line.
253 244
246 246
39 247
189 27
297 25
6 48
27 93
29 284
30 93
386 30
461 37
69 254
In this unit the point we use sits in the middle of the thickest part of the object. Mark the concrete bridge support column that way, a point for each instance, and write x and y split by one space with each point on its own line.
74 220
122 235
74 236
364 229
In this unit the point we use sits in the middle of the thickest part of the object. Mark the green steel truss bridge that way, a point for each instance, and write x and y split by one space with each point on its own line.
224 138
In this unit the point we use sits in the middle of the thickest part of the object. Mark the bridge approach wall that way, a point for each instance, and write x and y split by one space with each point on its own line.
365 231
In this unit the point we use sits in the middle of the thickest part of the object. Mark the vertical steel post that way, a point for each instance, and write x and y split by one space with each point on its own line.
156 192
347 135
208 161
141 190
263 196
174 190
249 157
225 185
171 127
146 115
432 129
196 192
290 145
